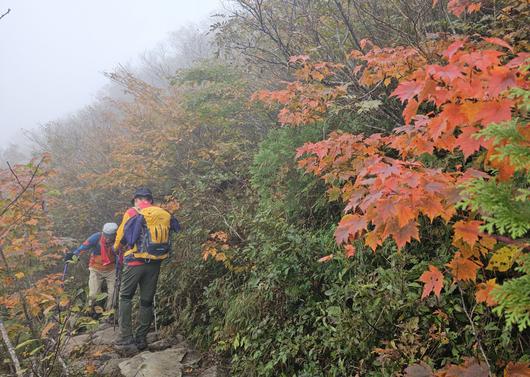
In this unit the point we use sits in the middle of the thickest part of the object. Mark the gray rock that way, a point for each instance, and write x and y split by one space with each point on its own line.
108 356
165 363
191 358
183 344
111 368
159 345
106 336
126 351
75 343
211 372
178 339
77 367
152 337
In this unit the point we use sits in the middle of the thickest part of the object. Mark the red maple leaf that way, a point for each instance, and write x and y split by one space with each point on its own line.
453 48
446 73
517 370
405 213
349 251
410 110
502 78
349 225
405 234
434 282
407 89
467 231
483 293
462 268
470 368
467 143
498 42
495 111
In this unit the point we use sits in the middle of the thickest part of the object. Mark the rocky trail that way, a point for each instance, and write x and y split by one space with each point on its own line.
92 353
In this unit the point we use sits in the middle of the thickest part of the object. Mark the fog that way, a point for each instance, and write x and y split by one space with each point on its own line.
53 53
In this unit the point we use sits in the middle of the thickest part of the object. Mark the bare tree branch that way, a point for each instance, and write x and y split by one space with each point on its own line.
474 329
349 25
24 189
6 13
10 348
14 174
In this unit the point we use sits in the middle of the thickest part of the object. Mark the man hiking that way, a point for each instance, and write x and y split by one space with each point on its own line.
101 263
144 236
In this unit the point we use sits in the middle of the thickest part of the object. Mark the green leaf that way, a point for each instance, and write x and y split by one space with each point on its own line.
25 343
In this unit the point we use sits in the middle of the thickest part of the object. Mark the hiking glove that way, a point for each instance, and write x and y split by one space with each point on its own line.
68 256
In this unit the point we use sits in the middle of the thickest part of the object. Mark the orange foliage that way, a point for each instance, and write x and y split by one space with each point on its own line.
434 282
483 293
217 247
445 104
517 370
29 250
308 99
471 367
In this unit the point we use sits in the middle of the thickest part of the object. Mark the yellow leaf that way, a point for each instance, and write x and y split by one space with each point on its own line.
48 309
220 257
90 369
47 329
19 275
47 296
503 258
325 258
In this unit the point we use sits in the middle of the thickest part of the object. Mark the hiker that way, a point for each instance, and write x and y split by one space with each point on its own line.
101 263
144 236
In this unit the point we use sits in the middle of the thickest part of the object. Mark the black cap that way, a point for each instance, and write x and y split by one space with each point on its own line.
143 192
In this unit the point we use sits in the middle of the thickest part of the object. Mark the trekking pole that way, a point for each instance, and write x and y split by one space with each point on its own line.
65 269
116 299
154 311
117 285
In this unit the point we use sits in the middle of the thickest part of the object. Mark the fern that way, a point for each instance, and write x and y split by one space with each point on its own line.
513 297
509 142
504 207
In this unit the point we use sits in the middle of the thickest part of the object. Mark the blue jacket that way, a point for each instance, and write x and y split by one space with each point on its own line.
93 244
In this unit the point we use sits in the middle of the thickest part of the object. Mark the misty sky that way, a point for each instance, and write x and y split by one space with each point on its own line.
53 52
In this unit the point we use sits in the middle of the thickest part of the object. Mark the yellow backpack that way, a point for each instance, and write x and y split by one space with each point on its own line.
154 240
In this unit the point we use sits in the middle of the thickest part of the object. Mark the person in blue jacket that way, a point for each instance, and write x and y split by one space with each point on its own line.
102 263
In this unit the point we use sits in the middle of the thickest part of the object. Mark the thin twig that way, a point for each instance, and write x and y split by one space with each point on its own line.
24 189
6 13
475 333
14 174
58 357
227 224
10 349
349 26
57 344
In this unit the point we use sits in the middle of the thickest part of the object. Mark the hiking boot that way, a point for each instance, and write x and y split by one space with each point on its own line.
141 344
124 342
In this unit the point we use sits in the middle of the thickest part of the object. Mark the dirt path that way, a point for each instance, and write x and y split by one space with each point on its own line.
93 354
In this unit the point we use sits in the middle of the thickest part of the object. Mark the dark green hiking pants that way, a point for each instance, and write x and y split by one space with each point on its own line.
145 276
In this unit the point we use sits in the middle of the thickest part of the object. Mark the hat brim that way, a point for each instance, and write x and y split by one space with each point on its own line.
138 196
